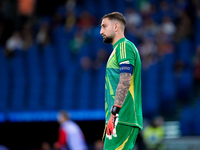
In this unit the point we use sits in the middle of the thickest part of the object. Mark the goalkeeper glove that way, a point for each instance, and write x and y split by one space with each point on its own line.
112 123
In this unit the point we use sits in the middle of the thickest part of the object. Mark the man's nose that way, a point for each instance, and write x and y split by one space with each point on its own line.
101 32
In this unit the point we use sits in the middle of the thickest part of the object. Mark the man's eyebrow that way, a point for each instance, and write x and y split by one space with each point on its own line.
102 24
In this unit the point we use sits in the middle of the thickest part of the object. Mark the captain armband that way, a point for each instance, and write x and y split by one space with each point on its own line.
126 68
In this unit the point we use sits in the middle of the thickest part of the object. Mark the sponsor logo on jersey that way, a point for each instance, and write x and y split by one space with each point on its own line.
124 68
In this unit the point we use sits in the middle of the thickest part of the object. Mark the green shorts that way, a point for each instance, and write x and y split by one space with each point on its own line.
125 140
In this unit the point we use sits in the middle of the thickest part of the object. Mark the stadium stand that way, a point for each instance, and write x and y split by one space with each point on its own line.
49 77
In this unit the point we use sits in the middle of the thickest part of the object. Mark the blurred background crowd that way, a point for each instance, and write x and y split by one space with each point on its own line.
52 57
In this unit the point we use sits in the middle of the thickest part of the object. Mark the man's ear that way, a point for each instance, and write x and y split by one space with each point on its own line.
116 27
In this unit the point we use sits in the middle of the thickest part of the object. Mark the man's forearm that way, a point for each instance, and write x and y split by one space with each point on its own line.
122 88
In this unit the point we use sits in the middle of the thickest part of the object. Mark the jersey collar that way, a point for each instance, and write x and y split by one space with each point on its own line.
119 41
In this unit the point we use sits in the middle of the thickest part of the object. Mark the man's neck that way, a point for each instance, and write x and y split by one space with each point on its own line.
117 38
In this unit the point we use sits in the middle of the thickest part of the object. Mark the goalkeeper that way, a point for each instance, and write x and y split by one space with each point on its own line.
123 106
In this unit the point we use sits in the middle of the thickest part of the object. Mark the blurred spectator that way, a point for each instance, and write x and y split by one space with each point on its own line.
148 51
43 35
149 28
70 5
197 73
57 20
197 4
162 37
179 66
144 6
26 7
133 21
14 42
165 48
102 57
70 135
98 145
168 26
7 19
154 13
132 17
184 27
164 43
27 35
77 42
165 10
5 8
86 21
70 21
153 134
181 4
183 76
86 63
25 12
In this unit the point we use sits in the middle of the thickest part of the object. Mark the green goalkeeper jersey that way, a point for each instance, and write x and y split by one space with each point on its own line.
130 114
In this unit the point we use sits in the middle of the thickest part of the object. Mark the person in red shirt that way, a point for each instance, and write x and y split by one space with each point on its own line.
70 136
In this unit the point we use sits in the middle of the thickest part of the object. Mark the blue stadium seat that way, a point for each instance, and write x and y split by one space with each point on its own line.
197 119
187 121
89 5
84 51
185 83
151 100
104 6
85 86
100 88
67 90
35 78
62 53
197 35
144 91
97 41
168 62
61 10
154 2
4 80
132 38
19 81
50 77
185 50
58 33
168 84
118 5
168 87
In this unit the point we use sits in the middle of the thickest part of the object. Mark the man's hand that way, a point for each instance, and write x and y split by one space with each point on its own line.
112 123
111 127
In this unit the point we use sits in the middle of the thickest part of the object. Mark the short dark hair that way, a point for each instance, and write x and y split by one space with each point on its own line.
64 114
116 15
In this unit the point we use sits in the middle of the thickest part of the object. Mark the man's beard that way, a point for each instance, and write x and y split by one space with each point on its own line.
108 40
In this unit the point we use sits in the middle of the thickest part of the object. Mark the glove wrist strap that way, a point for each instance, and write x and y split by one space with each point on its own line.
115 109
